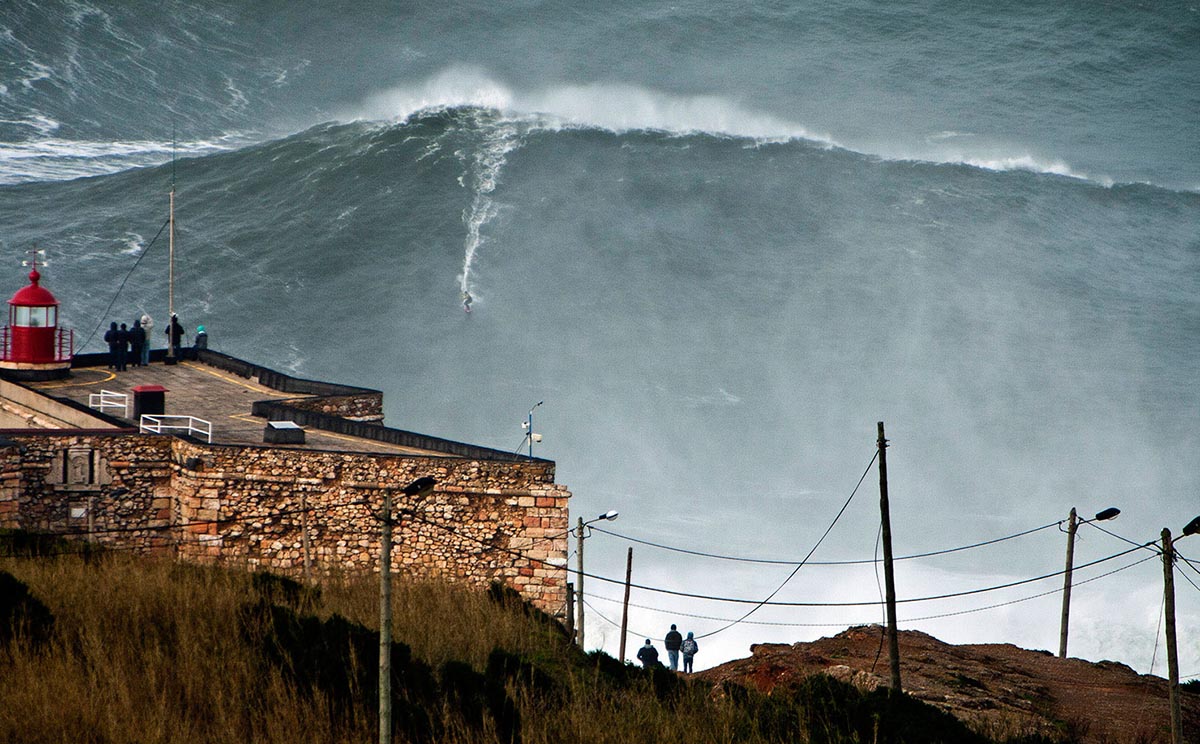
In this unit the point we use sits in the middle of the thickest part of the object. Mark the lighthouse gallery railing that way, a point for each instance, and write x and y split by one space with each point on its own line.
64 345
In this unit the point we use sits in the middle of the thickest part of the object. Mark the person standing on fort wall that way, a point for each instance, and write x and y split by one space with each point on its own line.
112 338
122 348
147 327
673 641
137 340
174 333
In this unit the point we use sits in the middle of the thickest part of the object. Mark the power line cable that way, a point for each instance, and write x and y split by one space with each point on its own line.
772 561
950 595
1158 631
843 624
1188 562
1031 596
491 545
879 586
1188 579
1124 539
784 583
767 602
112 302
608 620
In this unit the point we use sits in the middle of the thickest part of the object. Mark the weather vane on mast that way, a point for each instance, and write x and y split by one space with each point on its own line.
34 252
527 425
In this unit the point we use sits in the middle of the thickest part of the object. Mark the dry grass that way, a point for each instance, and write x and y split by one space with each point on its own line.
151 651
147 650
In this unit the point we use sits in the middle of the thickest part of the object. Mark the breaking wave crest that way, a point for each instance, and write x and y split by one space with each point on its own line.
622 108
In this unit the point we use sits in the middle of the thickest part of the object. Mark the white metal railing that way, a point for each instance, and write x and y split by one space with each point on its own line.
109 399
159 422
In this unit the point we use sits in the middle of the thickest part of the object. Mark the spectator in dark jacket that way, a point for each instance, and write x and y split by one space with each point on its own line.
174 333
648 655
112 337
122 348
673 641
137 340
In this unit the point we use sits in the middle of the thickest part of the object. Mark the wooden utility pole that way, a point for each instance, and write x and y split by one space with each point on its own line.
579 580
1168 553
571 611
889 578
1072 525
625 606
385 621
170 358
417 488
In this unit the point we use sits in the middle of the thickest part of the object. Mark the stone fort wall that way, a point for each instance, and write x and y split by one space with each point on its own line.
252 506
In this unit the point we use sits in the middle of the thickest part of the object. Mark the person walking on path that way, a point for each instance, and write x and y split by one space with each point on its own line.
673 642
112 337
137 340
174 333
147 327
689 649
648 655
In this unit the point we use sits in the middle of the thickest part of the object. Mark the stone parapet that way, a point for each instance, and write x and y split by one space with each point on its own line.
252 506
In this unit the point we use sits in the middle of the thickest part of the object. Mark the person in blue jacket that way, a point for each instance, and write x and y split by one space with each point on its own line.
689 649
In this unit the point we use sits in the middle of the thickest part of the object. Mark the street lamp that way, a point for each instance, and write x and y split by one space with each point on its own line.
419 487
608 516
1072 525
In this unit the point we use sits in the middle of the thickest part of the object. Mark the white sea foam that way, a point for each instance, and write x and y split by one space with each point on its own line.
34 72
237 99
40 124
484 172
56 159
624 108
133 243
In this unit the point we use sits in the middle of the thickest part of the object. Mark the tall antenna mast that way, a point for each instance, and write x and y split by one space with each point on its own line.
171 261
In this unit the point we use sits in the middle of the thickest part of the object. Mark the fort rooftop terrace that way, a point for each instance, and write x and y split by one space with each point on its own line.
238 398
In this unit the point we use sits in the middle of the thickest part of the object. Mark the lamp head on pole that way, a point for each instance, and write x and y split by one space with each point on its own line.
1192 527
1109 513
610 515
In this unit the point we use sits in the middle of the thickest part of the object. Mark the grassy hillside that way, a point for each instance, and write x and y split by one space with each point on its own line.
115 648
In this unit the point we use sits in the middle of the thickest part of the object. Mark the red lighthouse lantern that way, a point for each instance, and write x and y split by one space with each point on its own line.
32 346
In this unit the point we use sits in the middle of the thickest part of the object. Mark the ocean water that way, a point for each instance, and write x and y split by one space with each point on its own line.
719 240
